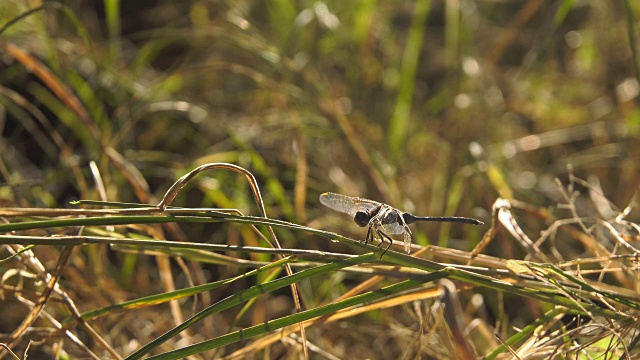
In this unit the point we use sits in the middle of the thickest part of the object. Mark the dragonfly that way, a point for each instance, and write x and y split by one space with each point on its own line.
382 219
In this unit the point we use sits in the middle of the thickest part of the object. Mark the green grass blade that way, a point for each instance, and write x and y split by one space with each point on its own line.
402 111
112 14
174 295
296 318
25 249
524 333
250 293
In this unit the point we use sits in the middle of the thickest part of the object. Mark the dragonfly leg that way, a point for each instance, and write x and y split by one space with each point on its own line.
385 250
383 236
369 237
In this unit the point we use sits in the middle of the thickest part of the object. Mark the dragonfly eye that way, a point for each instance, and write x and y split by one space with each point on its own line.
362 218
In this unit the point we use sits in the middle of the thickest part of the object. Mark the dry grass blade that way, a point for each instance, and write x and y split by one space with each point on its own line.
57 86
508 221
42 300
9 351
302 170
491 233
453 315
432 106
180 183
502 216
32 262
272 339
160 208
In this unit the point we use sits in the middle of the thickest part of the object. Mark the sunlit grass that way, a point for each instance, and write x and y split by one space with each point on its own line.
521 114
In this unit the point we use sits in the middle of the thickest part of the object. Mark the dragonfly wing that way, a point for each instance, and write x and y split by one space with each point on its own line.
346 204
407 242
393 228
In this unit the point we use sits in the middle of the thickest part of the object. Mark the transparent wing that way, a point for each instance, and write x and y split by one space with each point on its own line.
407 242
392 229
346 204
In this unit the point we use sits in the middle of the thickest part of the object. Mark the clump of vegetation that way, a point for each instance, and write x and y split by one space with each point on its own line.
162 163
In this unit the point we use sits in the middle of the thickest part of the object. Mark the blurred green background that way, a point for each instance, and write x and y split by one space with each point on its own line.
435 107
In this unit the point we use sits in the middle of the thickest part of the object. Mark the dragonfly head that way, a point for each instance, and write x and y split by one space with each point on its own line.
362 218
